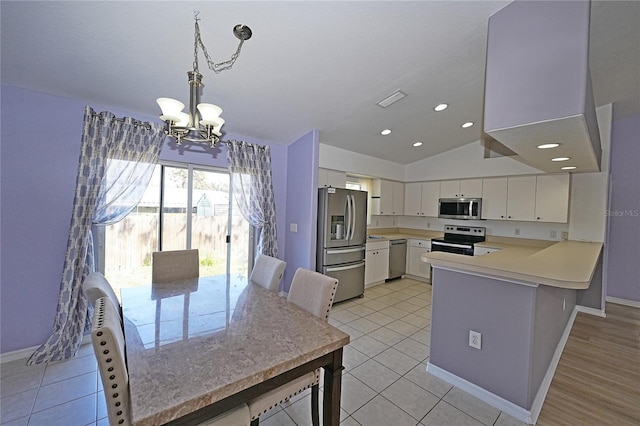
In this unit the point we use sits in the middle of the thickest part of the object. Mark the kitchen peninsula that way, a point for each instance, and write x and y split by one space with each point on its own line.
499 320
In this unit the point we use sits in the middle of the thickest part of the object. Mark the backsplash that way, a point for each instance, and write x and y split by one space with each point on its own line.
499 228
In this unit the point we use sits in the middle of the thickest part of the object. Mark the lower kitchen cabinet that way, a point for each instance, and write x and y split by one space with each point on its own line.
376 268
415 266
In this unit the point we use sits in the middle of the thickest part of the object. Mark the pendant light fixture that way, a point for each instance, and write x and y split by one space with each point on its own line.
203 122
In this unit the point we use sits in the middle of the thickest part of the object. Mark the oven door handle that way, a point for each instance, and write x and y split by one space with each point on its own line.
438 243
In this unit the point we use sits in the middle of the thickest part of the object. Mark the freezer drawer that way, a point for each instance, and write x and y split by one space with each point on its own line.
339 256
350 280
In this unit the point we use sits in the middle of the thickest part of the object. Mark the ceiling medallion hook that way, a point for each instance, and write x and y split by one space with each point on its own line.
203 122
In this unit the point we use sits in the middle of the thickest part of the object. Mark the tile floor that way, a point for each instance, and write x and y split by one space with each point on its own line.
384 382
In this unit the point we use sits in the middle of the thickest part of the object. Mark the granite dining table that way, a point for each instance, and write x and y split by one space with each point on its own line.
199 347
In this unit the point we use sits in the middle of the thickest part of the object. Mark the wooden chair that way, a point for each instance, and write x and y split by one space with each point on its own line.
313 292
267 271
176 265
108 345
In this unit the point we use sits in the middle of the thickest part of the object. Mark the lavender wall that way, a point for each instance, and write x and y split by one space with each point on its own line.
40 137
520 326
623 237
302 204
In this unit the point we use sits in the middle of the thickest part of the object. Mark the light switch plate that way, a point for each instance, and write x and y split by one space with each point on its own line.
293 227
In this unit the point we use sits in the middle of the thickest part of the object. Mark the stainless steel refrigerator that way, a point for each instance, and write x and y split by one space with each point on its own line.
342 234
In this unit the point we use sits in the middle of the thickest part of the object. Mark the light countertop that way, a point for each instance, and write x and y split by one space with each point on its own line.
565 264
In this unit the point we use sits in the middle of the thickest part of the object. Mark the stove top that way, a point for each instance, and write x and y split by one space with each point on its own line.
463 234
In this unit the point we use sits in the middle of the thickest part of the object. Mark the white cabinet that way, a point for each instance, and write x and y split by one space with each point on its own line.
415 266
552 198
494 198
391 195
521 198
482 250
376 268
421 198
468 188
334 178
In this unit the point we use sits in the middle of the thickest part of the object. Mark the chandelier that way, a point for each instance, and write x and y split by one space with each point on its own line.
203 122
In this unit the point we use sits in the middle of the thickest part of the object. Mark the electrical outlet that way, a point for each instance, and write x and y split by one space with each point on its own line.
428 225
517 231
377 223
293 227
475 339
552 234
565 235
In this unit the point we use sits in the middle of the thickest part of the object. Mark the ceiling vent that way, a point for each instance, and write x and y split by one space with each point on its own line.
391 99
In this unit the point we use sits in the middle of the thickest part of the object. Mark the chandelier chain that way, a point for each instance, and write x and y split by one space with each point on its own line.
219 67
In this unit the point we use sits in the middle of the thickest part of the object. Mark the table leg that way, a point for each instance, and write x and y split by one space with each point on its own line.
332 388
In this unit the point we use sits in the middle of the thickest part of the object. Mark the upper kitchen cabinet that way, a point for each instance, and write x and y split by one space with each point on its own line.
521 198
391 198
468 188
421 198
552 198
494 198
332 178
543 198
538 86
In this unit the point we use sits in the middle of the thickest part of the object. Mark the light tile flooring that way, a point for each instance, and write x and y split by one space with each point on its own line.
384 382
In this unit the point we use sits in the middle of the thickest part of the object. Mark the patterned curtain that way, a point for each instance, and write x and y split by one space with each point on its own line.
250 169
109 148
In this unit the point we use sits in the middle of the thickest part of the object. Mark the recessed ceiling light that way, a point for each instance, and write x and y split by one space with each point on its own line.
391 99
385 132
467 124
569 168
417 143
548 145
561 159
441 107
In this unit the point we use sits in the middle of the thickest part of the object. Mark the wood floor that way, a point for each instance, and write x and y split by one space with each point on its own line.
597 381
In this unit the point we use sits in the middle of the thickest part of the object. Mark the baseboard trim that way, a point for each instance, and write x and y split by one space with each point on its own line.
512 409
19 354
492 399
625 302
591 311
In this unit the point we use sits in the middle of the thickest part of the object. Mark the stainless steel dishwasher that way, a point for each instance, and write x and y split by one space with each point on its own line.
397 258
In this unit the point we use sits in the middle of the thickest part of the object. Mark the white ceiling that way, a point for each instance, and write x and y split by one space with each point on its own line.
309 65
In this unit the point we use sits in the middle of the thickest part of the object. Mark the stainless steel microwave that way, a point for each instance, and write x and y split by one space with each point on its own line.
460 208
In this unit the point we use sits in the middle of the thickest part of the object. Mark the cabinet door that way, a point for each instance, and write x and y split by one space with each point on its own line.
471 188
430 197
450 188
336 179
521 198
382 264
386 197
369 266
416 266
552 198
494 198
398 198
413 199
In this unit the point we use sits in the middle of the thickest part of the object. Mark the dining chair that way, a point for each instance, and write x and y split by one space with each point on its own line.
95 286
175 265
109 348
267 271
313 292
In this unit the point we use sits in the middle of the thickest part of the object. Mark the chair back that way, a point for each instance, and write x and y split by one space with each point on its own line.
96 286
176 265
108 345
267 271
313 292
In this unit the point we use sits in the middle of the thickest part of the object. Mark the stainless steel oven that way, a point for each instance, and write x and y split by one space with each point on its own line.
459 239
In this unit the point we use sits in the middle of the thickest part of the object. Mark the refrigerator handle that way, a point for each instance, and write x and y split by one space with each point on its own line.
353 216
349 214
344 268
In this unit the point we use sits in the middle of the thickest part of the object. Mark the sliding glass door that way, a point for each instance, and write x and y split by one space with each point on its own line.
184 207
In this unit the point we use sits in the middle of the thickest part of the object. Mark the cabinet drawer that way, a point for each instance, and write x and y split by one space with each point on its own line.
425 244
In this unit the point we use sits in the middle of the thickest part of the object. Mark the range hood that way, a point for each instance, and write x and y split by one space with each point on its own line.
538 85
